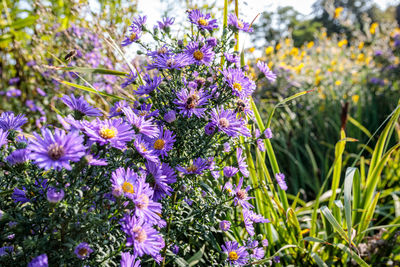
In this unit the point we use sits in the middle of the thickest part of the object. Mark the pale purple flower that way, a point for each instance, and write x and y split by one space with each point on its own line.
202 21
170 116
238 24
230 171
39 261
266 71
224 225
280 178
54 195
242 162
236 255
83 251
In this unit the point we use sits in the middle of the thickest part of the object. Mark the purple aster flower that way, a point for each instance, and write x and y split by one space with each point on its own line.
170 116
212 41
230 171
116 109
191 102
140 124
159 177
241 196
162 51
250 217
41 92
128 260
139 21
260 145
242 162
210 128
19 195
227 147
54 195
202 21
80 105
56 150
133 35
150 85
145 150
18 156
131 78
277 259
31 105
92 161
123 182
197 167
271 77
238 24
31 63
145 207
8 121
226 121
236 255
39 261
264 242
258 253
165 23
200 55
232 58
224 225
141 236
83 251
175 249
163 142
188 201
241 85
268 133
280 178
145 111
13 80
176 61
6 250
13 93
115 132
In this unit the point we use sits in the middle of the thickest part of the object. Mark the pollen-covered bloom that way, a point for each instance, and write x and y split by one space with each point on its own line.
130 79
266 71
141 236
241 195
242 162
80 105
191 102
8 121
236 255
150 85
128 260
175 61
83 251
200 54
140 124
280 178
202 21
124 182
114 132
145 207
39 261
56 150
238 24
163 142
146 111
227 121
134 33
241 85
197 167
145 150
224 225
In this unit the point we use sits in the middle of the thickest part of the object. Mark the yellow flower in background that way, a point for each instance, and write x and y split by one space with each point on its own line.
396 60
373 27
361 45
318 80
360 57
342 43
333 62
355 98
345 96
252 49
287 41
310 44
338 82
294 51
368 60
269 50
270 64
338 11
278 46
318 71
353 56
318 50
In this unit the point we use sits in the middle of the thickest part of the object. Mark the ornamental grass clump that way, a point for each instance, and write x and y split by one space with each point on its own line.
160 178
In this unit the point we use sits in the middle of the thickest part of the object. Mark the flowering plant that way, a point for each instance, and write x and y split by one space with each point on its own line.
160 178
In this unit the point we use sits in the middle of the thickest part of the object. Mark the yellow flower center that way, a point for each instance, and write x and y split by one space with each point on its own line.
55 151
144 202
143 113
191 168
198 55
241 194
233 256
83 252
108 133
143 147
237 86
224 123
132 37
127 187
240 25
141 235
159 144
202 22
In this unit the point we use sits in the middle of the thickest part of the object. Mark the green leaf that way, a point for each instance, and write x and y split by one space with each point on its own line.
329 216
196 257
91 90
348 184
91 70
318 260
